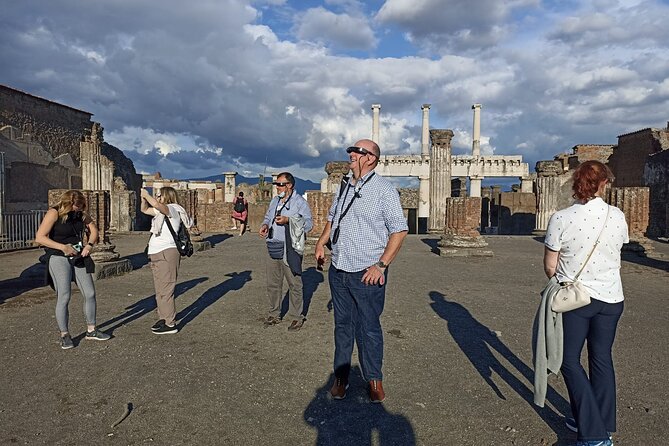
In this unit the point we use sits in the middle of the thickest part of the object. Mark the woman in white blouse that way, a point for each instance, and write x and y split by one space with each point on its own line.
570 236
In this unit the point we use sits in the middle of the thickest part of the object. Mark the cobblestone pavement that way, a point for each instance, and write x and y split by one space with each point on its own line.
457 356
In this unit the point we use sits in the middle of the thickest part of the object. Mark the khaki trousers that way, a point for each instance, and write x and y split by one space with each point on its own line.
165 266
276 271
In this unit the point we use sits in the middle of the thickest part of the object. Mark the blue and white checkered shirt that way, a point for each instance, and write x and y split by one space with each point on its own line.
365 229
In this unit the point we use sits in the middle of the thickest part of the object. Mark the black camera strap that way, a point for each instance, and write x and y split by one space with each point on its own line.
335 236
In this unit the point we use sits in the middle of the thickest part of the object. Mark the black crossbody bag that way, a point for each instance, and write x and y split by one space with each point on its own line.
181 239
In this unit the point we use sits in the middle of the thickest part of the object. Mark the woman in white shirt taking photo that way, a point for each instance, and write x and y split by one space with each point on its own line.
163 253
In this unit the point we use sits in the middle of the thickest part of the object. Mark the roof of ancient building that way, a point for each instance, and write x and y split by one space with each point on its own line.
44 99
640 131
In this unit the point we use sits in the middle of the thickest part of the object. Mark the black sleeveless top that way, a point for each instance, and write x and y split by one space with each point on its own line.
69 232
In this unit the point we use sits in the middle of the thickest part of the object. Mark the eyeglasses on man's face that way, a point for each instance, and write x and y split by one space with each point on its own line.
360 151
281 183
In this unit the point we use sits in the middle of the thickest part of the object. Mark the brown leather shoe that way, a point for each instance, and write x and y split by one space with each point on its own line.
338 390
295 325
376 393
271 320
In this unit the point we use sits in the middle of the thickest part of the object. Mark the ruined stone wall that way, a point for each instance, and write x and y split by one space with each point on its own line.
124 169
634 202
589 152
517 213
29 184
629 157
319 203
217 217
656 176
57 127
408 198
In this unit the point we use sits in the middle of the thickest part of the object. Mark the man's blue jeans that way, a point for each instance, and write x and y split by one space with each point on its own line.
357 309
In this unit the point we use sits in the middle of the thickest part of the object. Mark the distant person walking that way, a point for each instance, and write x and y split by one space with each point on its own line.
284 227
366 228
163 253
240 213
62 233
569 239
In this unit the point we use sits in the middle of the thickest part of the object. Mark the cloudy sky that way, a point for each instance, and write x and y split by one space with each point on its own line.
196 88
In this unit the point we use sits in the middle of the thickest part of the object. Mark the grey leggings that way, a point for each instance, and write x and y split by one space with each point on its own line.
61 272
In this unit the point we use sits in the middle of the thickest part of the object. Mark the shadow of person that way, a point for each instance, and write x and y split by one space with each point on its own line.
144 306
354 420
137 260
235 282
477 342
215 239
30 278
311 278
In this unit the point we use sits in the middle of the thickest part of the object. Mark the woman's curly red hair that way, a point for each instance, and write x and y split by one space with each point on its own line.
587 178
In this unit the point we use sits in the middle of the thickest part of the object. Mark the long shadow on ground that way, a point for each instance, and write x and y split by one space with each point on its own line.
649 262
477 342
145 306
235 282
354 420
217 238
30 278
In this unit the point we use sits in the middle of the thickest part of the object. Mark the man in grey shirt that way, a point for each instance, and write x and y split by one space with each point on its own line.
284 261
366 228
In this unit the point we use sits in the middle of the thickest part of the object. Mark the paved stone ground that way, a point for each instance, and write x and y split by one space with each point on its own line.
457 357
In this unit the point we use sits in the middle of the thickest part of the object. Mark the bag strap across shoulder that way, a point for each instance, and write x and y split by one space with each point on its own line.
608 210
169 226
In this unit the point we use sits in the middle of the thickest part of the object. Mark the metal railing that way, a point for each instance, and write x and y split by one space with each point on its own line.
19 228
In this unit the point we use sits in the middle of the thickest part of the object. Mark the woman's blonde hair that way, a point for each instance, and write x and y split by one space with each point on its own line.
69 199
170 195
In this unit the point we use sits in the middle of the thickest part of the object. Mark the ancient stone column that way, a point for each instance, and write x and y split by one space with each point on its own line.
635 204
230 186
475 180
336 171
440 178
424 181
91 166
274 189
425 135
527 184
376 110
461 237
551 193
476 136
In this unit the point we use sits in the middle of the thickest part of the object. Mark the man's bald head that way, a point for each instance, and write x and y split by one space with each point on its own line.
369 145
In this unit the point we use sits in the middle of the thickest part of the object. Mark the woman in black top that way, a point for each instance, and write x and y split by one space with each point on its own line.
61 233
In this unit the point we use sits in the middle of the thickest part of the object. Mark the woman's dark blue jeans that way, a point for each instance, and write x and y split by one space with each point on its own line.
592 396
357 312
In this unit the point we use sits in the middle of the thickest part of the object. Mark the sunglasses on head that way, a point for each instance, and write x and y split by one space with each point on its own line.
279 183
359 150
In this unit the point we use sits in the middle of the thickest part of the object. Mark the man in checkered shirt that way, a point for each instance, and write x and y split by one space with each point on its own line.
366 227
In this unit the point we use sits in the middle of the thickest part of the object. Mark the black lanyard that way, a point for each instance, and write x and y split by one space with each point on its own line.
277 209
335 236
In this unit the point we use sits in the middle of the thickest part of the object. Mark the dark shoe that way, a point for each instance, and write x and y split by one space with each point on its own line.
66 342
571 424
271 320
296 325
376 393
97 335
166 329
338 390
158 325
